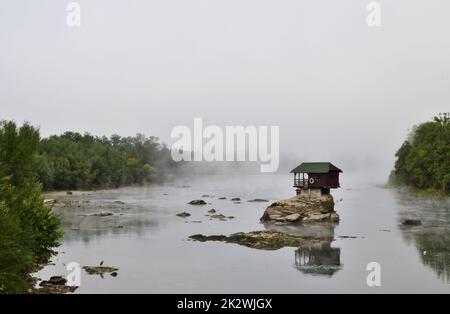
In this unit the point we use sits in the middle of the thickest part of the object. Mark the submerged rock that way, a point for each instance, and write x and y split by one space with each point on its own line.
302 208
258 200
100 270
183 214
218 216
197 202
235 199
412 222
212 211
103 214
263 240
222 198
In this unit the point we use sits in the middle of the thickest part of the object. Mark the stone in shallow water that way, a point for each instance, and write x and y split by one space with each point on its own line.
218 216
256 200
55 285
99 270
54 280
197 202
263 240
303 208
103 214
412 222
183 214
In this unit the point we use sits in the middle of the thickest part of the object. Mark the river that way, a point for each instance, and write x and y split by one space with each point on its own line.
149 244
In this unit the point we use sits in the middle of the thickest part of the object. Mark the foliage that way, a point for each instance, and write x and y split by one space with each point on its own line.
423 160
75 161
28 229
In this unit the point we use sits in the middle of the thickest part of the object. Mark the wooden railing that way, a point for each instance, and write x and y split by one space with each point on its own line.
302 183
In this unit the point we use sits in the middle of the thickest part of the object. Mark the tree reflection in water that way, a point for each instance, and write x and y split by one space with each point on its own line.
432 238
434 250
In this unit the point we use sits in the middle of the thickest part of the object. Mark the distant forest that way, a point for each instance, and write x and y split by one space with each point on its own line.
83 161
423 160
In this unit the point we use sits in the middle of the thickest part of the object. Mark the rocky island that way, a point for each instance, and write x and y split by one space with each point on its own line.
302 208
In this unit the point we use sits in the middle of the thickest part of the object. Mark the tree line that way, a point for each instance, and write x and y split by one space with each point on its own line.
75 161
423 160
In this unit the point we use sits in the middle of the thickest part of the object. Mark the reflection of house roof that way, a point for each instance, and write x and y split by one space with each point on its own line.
315 167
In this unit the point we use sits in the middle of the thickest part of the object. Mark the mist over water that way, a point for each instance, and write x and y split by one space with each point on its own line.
153 253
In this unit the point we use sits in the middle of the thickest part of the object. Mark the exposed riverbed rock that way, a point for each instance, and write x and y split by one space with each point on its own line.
100 270
302 208
103 214
412 222
55 285
218 216
258 200
197 202
54 280
263 240
183 214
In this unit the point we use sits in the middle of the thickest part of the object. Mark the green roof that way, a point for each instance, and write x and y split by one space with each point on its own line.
315 167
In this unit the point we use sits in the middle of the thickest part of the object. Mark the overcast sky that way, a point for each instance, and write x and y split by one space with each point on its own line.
338 89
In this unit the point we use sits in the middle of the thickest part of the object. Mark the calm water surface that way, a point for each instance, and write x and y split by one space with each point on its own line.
149 245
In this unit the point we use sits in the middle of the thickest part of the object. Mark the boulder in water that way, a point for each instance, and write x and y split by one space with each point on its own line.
302 208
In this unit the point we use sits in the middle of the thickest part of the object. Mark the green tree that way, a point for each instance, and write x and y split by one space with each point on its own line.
29 230
423 161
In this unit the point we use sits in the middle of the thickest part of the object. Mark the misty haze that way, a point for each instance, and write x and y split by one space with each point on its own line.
354 167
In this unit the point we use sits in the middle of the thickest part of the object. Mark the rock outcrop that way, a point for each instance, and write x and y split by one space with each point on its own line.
263 240
302 208
197 202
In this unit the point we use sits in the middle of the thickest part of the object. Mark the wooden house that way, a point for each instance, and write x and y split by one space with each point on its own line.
316 177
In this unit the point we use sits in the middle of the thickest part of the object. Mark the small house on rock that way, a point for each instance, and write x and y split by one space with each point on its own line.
316 178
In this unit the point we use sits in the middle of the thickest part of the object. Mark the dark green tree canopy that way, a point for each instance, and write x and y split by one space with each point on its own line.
423 160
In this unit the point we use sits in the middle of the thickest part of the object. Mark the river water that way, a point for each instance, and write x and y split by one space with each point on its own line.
149 243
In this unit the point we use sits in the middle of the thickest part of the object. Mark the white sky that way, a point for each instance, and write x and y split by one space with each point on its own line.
338 89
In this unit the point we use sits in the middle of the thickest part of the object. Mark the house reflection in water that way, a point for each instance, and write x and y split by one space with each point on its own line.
318 259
